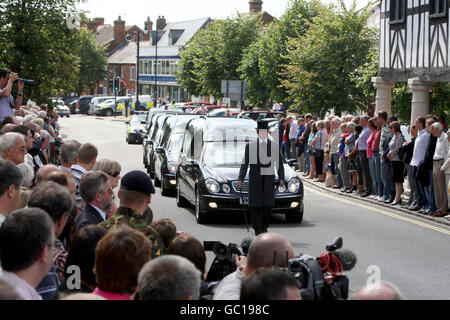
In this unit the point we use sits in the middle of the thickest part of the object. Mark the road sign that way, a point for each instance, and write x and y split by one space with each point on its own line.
234 89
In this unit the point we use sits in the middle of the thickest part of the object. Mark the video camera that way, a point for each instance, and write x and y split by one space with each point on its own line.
224 262
322 278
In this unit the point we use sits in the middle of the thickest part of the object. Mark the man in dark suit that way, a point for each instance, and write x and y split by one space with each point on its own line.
96 191
264 157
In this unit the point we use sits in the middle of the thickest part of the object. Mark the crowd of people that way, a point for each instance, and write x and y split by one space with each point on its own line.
371 156
63 236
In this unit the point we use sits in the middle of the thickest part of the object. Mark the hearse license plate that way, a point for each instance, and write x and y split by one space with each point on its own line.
243 201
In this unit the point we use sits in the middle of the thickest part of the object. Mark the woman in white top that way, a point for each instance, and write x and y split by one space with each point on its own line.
318 145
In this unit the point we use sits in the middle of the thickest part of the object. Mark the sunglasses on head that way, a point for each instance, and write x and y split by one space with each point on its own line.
115 174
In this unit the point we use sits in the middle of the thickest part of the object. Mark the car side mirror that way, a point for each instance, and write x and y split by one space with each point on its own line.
159 150
143 122
127 122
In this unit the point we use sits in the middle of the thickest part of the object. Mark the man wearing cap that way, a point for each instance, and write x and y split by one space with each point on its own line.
264 157
135 195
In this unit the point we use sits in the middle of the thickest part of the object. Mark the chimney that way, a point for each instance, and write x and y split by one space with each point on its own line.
94 24
149 27
119 31
148 24
255 6
161 23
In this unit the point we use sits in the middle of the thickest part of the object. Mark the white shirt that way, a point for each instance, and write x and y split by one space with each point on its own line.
276 107
22 288
100 211
61 168
293 131
230 287
441 147
2 219
79 168
420 147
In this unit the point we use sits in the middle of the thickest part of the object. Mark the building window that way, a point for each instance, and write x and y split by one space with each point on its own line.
397 11
132 74
122 72
438 8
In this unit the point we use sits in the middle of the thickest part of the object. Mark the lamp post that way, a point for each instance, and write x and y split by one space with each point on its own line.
137 71
156 68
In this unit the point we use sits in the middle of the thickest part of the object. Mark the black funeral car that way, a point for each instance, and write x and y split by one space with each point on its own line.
208 168
147 143
167 153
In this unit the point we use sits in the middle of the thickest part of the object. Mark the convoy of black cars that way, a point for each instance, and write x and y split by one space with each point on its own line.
197 159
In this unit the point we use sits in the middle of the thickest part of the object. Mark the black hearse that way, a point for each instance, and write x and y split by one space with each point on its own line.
208 168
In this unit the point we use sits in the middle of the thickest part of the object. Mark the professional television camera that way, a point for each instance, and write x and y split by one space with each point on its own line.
322 278
224 262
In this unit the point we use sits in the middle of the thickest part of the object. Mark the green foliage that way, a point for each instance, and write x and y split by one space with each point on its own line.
215 54
263 63
36 43
439 101
320 75
93 61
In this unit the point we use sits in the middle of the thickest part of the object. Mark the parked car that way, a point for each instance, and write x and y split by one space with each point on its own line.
74 107
208 170
96 101
136 127
208 108
62 110
259 115
166 155
221 112
83 104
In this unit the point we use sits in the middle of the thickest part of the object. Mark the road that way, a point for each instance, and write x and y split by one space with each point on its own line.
412 253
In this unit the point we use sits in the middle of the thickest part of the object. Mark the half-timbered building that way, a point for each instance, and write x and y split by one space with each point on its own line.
414 48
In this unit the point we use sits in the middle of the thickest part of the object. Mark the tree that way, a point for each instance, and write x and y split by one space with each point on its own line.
215 54
263 63
37 43
322 63
93 61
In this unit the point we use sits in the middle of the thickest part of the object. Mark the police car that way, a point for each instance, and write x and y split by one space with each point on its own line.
136 127
107 108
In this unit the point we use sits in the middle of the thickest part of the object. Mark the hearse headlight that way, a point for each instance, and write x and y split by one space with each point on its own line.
172 167
212 185
282 188
293 185
226 188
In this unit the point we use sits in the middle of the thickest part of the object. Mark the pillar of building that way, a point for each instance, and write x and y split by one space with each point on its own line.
384 94
420 104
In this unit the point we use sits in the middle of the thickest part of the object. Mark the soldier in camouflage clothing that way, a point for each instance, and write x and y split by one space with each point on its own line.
135 195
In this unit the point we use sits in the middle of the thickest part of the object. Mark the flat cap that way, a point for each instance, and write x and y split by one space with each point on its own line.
137 181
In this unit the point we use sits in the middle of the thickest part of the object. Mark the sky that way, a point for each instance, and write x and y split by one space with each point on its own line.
137 11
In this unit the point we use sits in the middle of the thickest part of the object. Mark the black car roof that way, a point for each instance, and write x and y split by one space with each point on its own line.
229 129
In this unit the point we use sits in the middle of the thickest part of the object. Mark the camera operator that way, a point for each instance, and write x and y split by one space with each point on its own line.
7 105
266 251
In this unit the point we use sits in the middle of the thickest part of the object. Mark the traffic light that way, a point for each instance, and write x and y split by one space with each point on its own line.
111 84
116 84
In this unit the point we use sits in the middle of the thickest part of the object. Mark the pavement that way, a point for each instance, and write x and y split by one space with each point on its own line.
354 196
411 252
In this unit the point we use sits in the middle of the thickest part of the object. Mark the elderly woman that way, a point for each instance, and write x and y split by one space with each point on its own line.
112 168
398 166
312 167
318 146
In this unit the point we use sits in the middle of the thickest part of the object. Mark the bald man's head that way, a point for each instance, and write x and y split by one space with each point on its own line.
384 291
44 172
262 251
